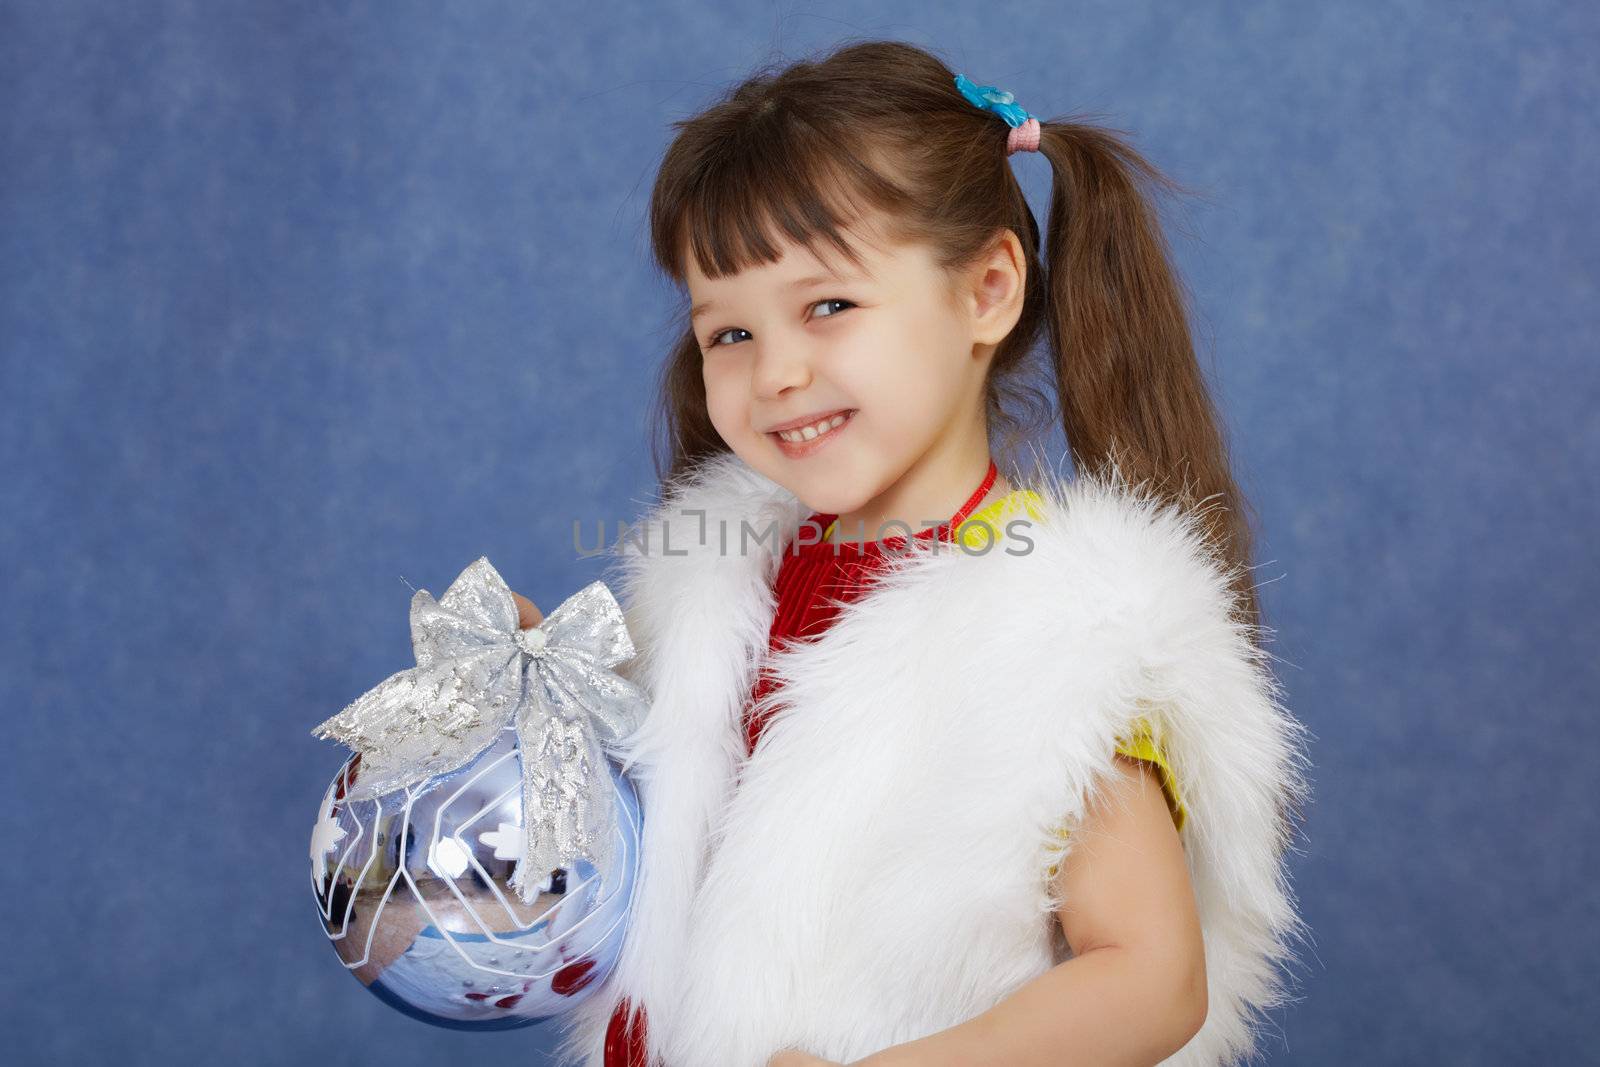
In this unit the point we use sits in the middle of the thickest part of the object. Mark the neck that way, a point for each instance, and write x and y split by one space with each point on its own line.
910 505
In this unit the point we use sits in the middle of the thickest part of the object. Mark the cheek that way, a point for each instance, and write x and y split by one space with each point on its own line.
895 375
725 399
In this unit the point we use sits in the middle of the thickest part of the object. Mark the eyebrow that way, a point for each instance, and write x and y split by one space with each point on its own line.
798 283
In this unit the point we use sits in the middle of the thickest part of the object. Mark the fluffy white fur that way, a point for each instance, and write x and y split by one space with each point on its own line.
876 871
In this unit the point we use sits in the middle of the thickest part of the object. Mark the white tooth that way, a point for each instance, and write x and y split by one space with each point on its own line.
807 433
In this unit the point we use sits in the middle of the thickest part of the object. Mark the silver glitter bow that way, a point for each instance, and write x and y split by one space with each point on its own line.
476 674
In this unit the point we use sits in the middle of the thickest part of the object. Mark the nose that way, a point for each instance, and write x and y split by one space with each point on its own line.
779 368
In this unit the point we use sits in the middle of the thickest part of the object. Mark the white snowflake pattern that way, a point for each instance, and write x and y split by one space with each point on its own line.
506 840
325 835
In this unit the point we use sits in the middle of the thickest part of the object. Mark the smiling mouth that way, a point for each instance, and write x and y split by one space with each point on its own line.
803 442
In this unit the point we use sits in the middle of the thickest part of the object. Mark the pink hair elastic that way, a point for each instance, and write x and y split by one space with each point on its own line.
1024 138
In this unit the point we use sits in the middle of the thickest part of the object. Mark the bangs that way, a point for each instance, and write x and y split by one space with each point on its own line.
774 187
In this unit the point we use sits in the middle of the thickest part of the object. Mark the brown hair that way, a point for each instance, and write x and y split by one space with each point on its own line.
881 126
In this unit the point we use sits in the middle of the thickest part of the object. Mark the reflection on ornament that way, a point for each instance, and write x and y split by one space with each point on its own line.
413 890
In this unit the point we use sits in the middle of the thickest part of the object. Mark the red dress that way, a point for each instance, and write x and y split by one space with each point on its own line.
813 582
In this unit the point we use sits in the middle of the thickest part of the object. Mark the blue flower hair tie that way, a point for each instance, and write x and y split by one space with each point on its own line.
1025 130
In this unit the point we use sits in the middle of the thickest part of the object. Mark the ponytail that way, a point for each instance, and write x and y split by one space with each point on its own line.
1130 390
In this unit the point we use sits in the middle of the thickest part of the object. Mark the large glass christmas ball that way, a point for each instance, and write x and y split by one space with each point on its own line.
412 890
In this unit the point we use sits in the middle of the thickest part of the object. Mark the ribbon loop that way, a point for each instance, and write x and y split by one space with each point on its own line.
477 674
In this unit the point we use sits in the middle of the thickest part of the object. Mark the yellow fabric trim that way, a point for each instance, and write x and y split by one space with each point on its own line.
988 524
996 513
1143 746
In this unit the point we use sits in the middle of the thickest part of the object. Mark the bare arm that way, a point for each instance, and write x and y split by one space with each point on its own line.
1134 992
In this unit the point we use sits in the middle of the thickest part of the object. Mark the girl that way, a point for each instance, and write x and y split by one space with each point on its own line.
943 765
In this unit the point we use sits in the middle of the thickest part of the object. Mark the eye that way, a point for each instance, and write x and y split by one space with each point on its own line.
737 329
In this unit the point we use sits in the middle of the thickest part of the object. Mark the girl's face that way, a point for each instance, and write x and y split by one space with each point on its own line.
895 349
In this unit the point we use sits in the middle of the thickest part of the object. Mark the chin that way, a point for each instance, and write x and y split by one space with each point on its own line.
817 488
834 497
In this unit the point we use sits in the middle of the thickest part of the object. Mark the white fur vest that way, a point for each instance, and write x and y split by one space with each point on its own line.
875 871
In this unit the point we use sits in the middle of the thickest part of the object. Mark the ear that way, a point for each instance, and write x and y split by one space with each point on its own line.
996 285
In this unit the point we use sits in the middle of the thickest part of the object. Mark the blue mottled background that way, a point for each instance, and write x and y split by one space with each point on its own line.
301 303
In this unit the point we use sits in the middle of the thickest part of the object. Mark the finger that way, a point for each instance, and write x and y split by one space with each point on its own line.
527 614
